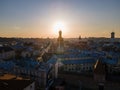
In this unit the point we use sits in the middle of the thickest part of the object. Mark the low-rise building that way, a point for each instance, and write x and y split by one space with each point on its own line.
6 52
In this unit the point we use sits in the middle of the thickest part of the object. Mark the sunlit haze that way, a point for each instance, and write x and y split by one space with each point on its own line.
59 26
44 18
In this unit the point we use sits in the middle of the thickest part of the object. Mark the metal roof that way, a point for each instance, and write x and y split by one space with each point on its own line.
78 61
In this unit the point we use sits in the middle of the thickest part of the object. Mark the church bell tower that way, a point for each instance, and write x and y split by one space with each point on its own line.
60 42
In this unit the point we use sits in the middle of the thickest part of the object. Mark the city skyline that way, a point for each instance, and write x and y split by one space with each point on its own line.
39 18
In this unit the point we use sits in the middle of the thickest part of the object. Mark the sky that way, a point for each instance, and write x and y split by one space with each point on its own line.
42 18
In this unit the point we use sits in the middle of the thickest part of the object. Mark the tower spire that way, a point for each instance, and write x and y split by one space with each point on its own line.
60 48
60 33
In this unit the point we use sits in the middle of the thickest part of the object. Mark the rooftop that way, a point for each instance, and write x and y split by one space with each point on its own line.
10 77
99 67
5 49
14 84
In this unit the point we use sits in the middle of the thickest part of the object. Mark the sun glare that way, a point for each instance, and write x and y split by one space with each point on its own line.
59 26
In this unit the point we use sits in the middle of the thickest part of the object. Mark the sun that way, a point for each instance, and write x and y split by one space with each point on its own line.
59 26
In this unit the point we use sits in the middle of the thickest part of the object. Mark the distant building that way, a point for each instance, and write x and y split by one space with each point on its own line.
25 54
112 35
79 37
112 38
